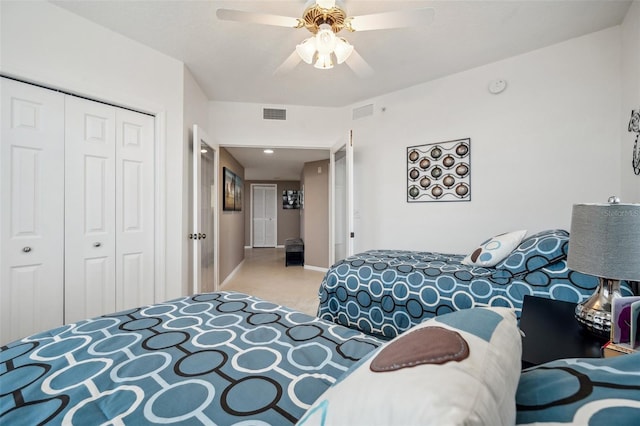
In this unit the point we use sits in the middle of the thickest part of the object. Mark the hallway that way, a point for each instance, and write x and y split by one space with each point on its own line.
264 275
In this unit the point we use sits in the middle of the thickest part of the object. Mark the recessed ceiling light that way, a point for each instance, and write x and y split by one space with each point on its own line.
268 151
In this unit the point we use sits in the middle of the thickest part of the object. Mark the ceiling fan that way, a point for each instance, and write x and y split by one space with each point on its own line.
324 19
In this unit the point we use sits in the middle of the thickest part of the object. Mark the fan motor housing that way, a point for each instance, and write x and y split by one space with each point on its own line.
314 16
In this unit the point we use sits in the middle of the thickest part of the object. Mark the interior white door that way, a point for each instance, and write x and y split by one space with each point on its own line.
264 215
31 209
134 209
205 212
342 233
90 238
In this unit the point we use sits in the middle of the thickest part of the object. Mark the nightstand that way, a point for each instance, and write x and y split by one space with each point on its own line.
552 332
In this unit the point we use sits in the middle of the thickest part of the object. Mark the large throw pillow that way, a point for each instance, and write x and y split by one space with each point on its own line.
493 250
537 251
416 379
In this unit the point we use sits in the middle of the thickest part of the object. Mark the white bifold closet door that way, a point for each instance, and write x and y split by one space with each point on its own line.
76 211
265 215
31 210
109 210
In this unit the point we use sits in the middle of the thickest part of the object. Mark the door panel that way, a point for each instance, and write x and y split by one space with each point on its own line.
264 215
259 219
89 209
208 220
134 209
271 215
31 210
205 211
342 233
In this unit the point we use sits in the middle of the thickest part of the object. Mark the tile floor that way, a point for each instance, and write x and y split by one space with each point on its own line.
264 275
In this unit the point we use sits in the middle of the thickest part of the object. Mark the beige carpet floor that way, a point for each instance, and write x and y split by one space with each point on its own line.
264 275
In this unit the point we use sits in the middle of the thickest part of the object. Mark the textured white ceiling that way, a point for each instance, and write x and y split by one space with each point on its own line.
235 61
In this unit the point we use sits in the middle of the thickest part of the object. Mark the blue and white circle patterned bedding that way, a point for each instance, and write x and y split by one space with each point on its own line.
385 292
217 358
595 392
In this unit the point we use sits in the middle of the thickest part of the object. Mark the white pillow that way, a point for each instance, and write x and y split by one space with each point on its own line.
495 249
477 390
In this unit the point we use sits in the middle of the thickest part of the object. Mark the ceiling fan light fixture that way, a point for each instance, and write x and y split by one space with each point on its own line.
307 49
324 61
326 39
343 50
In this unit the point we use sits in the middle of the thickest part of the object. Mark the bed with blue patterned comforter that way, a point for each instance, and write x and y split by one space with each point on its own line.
217 358
385 292
230 359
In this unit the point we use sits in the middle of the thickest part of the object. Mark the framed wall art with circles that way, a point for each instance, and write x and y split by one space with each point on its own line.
439 171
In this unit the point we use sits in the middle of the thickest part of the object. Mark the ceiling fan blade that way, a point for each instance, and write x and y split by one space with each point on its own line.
358 65
257 18
397 19
288 64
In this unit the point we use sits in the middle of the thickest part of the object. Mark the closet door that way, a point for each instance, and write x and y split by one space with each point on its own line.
90 239
31 209
134 179
265 217
259 218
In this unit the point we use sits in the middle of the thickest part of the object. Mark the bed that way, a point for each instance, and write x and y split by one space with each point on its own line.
217 358
385 292
227 358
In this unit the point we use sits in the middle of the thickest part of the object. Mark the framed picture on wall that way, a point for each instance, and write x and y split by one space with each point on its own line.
237 193
290 199
232 193
439 171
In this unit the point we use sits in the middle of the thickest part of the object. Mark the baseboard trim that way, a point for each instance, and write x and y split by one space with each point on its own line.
316 268
250 247
237 268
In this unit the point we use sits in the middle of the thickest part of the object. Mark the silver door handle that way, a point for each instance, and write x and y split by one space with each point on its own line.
26 249
98 244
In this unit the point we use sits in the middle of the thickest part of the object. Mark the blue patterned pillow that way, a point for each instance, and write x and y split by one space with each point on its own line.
593 391
537 251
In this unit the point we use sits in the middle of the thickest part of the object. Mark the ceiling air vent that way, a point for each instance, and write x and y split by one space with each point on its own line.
363 111
274 114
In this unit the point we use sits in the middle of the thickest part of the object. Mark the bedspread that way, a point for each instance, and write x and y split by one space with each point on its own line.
216 358
385 292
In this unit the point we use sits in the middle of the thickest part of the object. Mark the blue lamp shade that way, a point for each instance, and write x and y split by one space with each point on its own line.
605 242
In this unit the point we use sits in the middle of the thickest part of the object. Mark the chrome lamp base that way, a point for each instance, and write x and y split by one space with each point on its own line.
594 314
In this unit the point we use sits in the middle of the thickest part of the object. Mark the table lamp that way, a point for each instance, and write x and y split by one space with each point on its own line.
605 242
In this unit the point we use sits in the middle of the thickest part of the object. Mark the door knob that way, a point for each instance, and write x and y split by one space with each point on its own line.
98 244
26 249
204 236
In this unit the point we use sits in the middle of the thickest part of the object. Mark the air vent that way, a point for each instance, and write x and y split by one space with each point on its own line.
274 114
363 111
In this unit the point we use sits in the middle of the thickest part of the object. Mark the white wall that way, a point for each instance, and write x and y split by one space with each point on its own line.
549 141
43 43
241 124
630 99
